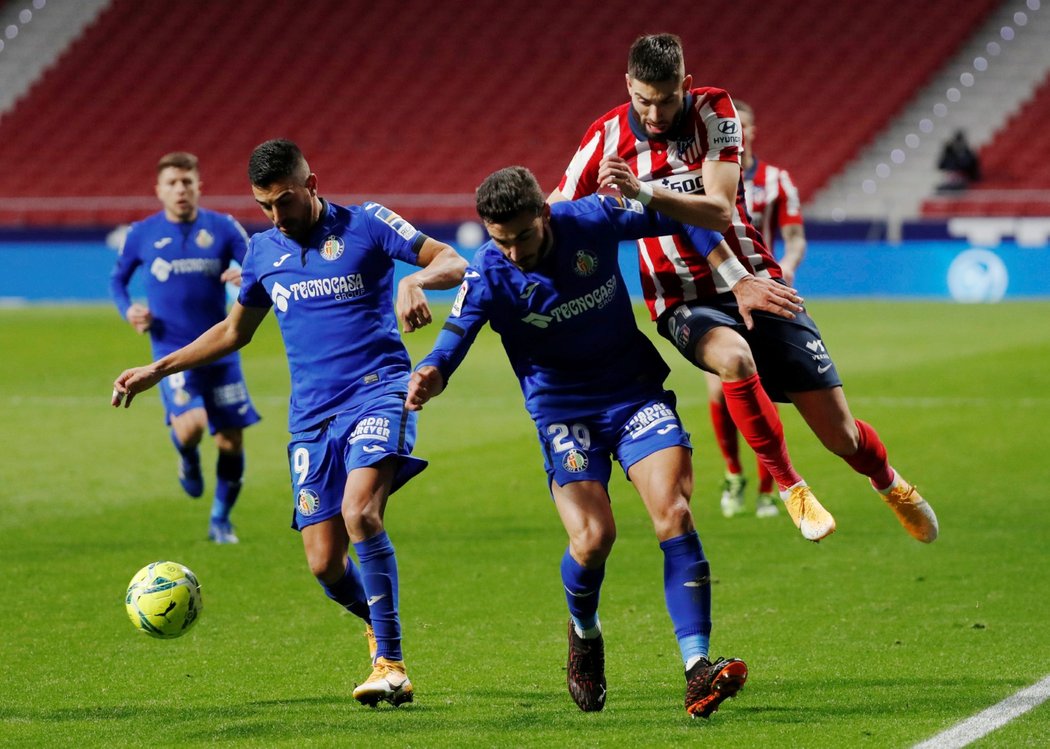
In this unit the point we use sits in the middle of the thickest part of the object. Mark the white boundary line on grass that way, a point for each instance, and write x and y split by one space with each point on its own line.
986 721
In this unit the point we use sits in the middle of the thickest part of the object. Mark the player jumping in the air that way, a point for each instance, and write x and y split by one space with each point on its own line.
677 146
186 253
327 271
548 283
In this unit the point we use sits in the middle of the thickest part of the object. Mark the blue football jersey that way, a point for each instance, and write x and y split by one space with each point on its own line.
567 326
182 262
333 299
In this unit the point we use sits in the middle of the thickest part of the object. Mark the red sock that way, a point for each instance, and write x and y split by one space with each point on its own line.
725 435
870 458
757 419
765 479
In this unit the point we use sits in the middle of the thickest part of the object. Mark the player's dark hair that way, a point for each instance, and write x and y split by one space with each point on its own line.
179 160
656 58
275 160
506 193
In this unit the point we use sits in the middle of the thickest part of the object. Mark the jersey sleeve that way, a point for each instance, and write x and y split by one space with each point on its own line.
469 314
581 176
253 293
238 239
396 236
721 126
632 220
128 259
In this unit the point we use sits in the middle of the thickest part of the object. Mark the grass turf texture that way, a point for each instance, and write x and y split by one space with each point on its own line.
869 639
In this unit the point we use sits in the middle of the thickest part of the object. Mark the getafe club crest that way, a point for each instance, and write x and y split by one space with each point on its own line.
204 239
332 248
585 264
307 502
574 461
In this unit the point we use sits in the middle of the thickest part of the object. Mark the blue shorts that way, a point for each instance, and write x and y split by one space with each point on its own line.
217 388
583 450
789 354
321 458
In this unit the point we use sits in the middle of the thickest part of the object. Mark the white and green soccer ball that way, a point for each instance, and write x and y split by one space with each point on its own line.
163 600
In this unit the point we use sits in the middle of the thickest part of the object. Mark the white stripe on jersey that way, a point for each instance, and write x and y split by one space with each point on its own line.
647 261
644 165
612 137
577 165
685 276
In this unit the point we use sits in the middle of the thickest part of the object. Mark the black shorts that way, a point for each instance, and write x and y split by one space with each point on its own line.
789 354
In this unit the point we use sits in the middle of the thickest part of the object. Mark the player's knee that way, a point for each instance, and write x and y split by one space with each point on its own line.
229 441
591 546
673 519
731 360
363 520
326 566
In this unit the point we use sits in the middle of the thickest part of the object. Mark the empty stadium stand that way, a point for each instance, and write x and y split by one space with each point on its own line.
413 103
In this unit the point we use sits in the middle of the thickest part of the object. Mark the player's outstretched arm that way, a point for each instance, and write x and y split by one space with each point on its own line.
753 293
424 384
442 268
221 339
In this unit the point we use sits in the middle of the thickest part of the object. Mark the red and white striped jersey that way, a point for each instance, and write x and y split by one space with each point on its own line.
772 200
672 270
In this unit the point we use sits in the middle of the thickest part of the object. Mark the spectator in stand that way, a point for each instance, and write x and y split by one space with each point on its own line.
959 163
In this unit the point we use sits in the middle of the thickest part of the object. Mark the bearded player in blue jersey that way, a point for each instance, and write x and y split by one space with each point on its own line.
327 271
188 254
549 284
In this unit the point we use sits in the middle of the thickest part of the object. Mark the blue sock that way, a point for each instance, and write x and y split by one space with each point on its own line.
190 454
582 589
229 469
687 589
379 575
348 591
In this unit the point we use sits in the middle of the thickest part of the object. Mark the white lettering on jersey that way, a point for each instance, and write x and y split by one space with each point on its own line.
372 428
596 299
339 287
162 269
649 417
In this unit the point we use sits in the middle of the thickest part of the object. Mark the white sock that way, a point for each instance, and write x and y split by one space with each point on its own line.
591 632
694 660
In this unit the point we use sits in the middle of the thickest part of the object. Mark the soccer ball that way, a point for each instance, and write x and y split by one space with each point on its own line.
163 600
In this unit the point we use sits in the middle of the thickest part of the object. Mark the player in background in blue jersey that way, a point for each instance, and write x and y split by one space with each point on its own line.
549 284
327 271
187 255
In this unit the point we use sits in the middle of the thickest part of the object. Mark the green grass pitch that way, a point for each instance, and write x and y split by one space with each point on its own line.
867 639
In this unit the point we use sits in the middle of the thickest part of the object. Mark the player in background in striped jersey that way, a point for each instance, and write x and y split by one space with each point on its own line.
677 147
774 205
